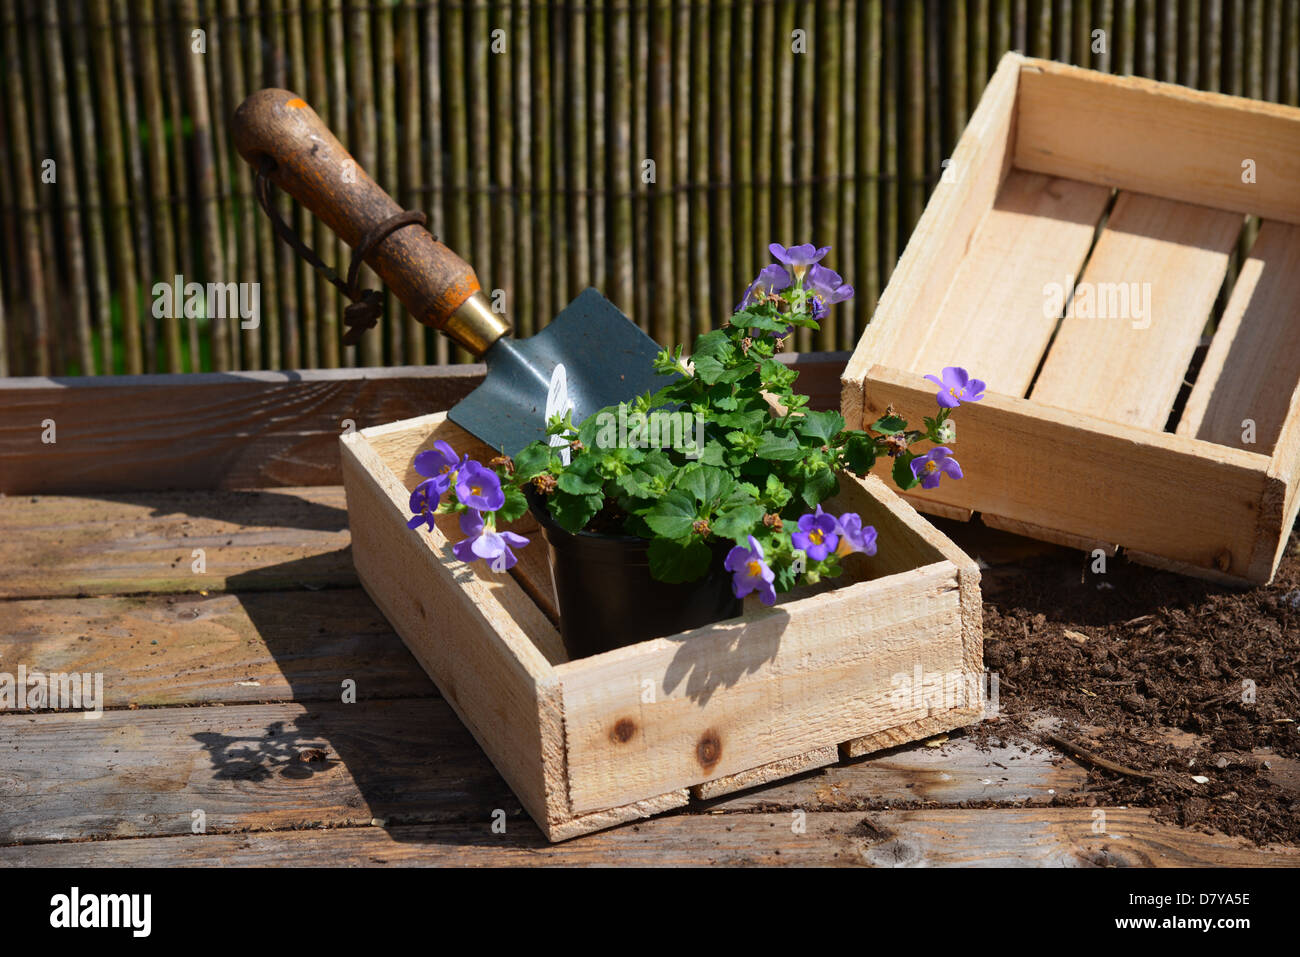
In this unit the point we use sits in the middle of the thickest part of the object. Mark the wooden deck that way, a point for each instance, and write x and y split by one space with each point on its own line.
223 687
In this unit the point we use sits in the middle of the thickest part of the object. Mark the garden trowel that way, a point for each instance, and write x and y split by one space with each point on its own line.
588 357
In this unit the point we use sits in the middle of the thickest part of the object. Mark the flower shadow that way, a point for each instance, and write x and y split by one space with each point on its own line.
282 751
734 650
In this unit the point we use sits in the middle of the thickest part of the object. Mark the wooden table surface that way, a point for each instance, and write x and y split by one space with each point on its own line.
225 739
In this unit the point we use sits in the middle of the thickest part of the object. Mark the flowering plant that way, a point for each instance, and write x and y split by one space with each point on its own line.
726 452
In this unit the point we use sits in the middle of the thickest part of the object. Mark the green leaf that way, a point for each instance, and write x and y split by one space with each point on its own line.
779 447
775 493
533 459
819 486
707 483
859 453
673 515
515 506
889 424
822 426
751 320
678 560
714 453
582 477
572 512
708 369
736 523
903 476
715 344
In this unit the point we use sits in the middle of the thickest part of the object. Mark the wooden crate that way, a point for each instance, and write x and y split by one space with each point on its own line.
623 735
1064 173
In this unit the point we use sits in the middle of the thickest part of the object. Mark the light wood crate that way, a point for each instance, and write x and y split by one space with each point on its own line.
623 735
1064 172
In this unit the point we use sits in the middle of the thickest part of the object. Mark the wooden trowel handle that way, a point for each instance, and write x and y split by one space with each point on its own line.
437 286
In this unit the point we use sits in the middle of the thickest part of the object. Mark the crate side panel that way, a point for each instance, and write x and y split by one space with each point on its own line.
1253 364
1093 479
993 320
398 443
456 625
1136 316
1160 139
916 288
774 684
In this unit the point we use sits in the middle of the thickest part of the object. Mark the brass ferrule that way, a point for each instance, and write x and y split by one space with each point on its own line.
475 326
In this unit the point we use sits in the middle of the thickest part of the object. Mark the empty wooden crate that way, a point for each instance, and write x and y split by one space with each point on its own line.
891 654
1071 258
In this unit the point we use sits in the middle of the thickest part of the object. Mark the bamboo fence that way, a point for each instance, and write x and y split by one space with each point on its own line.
651 148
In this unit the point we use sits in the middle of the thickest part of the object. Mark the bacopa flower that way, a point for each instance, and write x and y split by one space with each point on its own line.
827 288
957 387
859 537
818 535
487 543
440 465
750 573
937 462
772 279
424 502
798 258
479 487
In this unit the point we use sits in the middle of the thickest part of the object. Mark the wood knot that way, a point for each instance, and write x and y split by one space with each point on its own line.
708 750
623 731
1223 560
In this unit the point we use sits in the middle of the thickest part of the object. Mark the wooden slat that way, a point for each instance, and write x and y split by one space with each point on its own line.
723 705
992 321
205 649
917 286
1165 140
479 636
1168 259
136 773
1253 365
1060 837
1094 479
1012 772
144 542
235 430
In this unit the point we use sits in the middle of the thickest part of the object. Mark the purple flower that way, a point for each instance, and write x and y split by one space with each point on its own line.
956 387
861 538
487 543
930 466
750 572
798 258
479 487
424 502
773 278
818 534
827 288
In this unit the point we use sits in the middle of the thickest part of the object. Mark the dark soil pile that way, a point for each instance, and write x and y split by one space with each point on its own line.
1156 673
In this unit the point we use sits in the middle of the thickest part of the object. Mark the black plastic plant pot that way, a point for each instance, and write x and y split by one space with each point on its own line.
608 599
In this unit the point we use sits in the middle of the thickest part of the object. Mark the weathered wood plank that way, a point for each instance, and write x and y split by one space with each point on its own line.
219 648
250 767
1136 315
146 542
1055 837
218 430
1013 772
233 430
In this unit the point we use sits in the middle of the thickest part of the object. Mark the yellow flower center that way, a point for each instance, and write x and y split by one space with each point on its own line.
815 536
755 568
957 393
932 466
475 490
